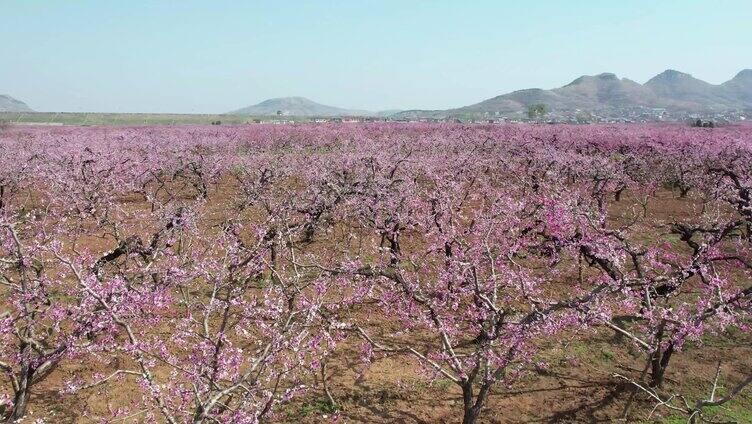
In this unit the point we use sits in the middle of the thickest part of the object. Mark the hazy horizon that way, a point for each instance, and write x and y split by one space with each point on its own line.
198 57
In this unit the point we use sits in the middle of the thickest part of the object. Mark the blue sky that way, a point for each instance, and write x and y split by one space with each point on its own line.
215 56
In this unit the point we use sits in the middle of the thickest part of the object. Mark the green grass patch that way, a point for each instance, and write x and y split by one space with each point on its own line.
317 407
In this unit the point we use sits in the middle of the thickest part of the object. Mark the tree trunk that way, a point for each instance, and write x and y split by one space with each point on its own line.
471 414
470 417
21 395
474 405
617 194
658 364
656 373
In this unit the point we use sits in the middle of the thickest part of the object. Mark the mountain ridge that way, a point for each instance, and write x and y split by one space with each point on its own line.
671 90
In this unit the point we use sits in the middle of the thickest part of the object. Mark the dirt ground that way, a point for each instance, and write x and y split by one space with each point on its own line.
577 387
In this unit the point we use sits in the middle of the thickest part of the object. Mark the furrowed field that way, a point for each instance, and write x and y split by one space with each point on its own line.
376 273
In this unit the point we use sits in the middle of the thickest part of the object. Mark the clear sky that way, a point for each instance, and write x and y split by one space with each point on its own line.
195 56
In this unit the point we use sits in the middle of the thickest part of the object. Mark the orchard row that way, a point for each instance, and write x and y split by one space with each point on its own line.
213 271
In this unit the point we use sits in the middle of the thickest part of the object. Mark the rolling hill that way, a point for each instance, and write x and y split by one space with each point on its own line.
9 104
300 106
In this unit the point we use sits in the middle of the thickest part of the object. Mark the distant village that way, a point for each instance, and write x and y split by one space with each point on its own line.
623 115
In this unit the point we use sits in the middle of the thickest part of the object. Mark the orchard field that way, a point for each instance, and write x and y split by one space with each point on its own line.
376 273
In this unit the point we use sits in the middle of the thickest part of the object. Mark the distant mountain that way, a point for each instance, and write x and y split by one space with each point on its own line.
678 90
607 94
604 90
586 92
300 106
739 88
9 104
